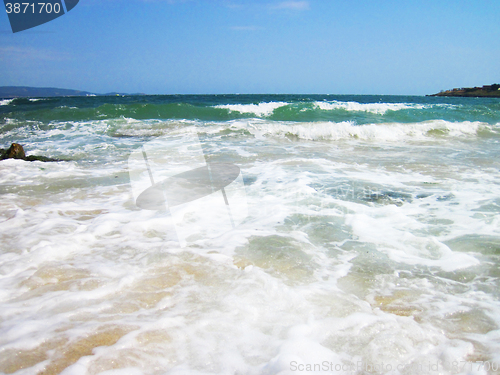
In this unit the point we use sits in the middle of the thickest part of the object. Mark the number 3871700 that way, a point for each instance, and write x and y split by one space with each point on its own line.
33 7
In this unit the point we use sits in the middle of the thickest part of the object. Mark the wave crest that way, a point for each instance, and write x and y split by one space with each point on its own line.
6 101
261 109
377 108
380 132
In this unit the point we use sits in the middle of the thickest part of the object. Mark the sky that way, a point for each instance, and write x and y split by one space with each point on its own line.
241 46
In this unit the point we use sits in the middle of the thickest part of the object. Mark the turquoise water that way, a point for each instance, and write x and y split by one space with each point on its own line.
360 109
369 238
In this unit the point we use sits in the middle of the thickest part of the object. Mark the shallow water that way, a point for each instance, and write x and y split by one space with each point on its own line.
370 242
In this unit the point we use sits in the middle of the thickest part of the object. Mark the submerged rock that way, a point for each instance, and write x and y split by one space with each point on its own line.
16 151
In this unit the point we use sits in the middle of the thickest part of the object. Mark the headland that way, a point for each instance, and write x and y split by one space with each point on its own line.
488 91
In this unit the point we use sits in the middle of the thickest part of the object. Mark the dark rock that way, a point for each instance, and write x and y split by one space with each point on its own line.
16 151
41 158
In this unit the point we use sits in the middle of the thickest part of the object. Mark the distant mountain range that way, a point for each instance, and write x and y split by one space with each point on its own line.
42 92
6 92
488 91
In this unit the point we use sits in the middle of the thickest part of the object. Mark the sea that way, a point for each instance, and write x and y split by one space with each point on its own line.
341 234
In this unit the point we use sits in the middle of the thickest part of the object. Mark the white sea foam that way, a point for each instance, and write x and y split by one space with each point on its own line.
316 131
378 108
6 101
371 132
261 109
345 256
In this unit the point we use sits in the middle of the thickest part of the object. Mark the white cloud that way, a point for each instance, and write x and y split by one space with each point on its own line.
246 28
294 5
16 53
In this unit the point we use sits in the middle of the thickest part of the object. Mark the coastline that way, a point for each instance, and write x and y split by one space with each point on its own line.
488 91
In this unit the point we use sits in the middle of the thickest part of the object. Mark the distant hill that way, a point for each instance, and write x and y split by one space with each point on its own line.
490 91
42 92
24 91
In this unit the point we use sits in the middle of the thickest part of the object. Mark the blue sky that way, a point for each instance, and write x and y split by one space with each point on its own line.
273 46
